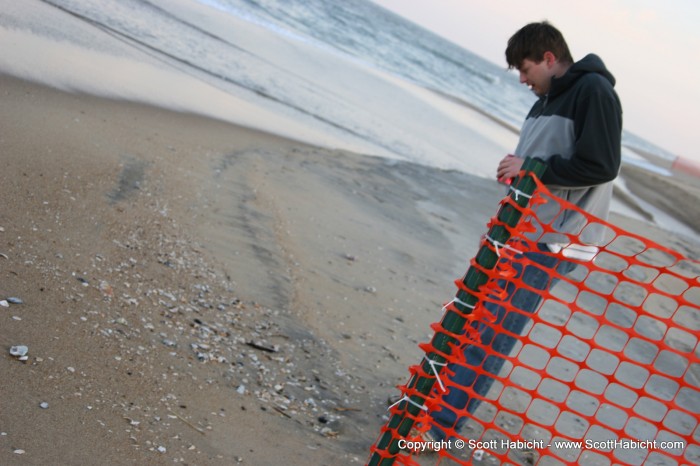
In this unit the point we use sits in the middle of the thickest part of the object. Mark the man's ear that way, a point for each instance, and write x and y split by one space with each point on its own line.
549 58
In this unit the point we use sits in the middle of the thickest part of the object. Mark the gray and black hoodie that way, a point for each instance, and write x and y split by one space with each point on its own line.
576 130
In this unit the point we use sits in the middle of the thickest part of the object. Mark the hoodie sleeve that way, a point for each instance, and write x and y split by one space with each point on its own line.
597 132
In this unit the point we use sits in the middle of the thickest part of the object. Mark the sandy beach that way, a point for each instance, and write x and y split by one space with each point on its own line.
197 292
131 234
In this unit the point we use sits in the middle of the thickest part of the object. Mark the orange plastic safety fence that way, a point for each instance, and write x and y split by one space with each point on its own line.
605 371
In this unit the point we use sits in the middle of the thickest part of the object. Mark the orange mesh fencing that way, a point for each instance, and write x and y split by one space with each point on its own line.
604 372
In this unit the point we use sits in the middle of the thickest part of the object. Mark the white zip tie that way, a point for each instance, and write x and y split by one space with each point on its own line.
406 398
498 245
459 301
519 193
435 372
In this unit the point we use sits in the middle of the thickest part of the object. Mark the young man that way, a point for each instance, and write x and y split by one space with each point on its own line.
575 130
575 127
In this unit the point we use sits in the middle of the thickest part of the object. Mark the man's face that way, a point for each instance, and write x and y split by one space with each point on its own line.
537 76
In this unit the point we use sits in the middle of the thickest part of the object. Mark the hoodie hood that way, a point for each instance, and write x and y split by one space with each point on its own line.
591 63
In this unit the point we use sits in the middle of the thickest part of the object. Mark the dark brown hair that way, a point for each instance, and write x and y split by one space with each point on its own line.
532 41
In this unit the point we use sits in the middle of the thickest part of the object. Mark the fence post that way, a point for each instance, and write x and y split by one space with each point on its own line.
452 322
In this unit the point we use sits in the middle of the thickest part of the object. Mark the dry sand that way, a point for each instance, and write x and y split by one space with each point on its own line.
200 293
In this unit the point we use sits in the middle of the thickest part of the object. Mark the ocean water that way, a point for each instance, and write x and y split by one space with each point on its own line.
305 67
364 31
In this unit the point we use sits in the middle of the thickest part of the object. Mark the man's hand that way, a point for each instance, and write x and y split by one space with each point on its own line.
508 168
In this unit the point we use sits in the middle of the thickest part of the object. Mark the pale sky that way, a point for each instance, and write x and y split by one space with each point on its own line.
651 46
